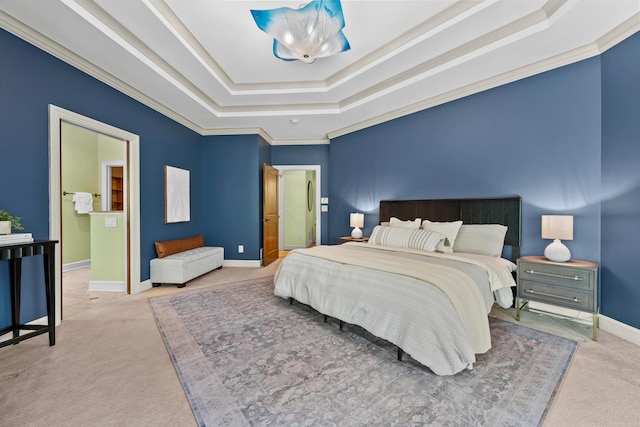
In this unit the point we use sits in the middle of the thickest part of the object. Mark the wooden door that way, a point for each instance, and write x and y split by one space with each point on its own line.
270 214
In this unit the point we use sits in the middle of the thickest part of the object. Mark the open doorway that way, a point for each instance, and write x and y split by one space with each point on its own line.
92 209
131 201
299 206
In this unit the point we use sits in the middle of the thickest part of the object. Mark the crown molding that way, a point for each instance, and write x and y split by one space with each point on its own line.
613 37
620 33
42 42
300 142
605 42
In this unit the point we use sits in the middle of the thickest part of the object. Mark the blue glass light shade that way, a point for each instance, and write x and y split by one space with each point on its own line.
313 31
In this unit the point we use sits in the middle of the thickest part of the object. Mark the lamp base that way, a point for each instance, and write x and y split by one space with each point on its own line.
356 233
557 252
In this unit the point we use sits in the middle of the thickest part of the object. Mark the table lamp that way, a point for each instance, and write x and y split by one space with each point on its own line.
356 220
557 227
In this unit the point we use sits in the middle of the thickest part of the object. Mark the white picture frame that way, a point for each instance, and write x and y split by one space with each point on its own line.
177 203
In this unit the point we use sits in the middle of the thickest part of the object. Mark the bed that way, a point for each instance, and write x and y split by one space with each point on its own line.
425 286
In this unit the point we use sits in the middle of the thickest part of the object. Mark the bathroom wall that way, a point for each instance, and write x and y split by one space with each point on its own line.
79 173
107 251
295 208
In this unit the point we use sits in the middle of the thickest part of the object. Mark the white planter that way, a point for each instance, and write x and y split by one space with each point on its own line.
5 227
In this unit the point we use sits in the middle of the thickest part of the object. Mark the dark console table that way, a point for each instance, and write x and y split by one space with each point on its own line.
14 254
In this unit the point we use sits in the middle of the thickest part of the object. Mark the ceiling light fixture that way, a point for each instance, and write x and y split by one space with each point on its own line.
305 34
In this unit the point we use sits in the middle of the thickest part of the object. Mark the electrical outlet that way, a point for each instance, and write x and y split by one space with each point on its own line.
240 249
111 222
324 208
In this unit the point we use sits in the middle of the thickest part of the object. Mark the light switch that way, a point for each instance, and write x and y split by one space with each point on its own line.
111 222
324 200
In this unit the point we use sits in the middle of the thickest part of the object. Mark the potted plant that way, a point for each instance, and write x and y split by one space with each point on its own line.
8 221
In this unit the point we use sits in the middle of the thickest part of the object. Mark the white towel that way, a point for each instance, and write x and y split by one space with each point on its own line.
84 202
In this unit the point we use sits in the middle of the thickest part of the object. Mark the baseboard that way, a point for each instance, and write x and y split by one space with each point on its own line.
142 286
76 265
292 247
106 286
622 330
612 326
241 263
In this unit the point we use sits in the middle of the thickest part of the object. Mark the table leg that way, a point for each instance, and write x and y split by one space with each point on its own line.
15 273
49 284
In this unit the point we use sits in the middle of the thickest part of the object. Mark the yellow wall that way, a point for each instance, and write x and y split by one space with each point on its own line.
299 222
79 173
107 247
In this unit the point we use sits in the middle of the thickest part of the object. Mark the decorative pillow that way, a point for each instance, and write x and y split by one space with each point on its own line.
395 222
171 247
400 237
449 229
483 239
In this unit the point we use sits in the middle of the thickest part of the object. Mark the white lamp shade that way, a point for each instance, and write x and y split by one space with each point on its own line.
356 220
557 227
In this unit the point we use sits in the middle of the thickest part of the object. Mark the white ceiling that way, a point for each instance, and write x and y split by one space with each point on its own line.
205 63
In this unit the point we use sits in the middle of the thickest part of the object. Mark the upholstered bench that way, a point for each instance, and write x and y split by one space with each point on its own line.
184 259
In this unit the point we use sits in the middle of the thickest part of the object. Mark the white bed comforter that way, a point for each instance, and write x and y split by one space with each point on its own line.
433 306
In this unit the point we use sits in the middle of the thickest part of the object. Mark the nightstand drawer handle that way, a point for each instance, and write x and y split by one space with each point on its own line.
576 278
531 291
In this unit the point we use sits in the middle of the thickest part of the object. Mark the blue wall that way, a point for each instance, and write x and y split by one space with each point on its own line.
232 194
30 80
308 155
538 138
621 182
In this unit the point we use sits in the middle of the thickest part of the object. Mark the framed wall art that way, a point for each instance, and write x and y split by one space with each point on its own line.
176 195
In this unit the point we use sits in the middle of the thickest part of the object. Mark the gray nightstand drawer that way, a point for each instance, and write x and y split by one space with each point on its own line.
572 284
556 275
575 298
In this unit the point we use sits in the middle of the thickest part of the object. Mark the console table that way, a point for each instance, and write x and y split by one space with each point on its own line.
14 254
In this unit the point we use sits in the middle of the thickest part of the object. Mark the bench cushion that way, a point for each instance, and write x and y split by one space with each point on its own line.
183 266
170 247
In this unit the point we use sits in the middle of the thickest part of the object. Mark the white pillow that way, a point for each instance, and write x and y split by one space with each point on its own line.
483 239
449 229
400 237
395 222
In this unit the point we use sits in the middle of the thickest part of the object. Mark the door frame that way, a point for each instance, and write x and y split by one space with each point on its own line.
316 169
58 115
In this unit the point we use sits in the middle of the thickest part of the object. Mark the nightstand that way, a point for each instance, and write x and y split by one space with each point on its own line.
572 284
345 239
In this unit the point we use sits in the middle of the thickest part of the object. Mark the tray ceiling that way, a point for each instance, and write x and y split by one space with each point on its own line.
205 64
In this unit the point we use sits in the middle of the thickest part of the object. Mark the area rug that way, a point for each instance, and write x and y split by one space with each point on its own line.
247 357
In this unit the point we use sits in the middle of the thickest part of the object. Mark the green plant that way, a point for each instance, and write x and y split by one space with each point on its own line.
15 220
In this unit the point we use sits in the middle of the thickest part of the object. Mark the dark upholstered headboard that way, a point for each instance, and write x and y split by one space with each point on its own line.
505 210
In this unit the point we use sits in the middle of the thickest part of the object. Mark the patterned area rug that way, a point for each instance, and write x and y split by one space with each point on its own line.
246 357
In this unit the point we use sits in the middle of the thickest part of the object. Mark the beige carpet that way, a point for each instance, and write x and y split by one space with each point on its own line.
110 367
